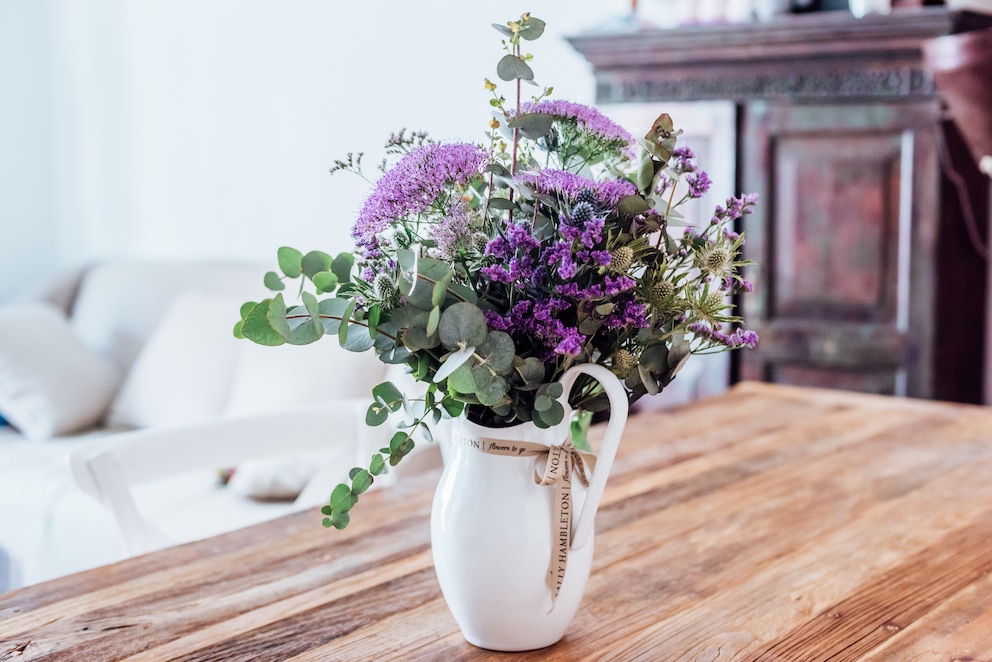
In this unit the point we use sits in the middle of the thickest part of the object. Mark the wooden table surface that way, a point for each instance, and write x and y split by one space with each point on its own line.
770 523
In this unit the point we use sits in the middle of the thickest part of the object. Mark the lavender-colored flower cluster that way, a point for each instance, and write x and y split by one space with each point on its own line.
412 185
587 119
568 186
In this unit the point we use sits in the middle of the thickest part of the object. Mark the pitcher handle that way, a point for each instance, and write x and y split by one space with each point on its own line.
611 441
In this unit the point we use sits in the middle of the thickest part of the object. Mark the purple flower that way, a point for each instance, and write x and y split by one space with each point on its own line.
588 119
568 185
413 184
739 338
699 183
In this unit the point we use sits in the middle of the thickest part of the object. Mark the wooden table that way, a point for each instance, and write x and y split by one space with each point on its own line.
771 523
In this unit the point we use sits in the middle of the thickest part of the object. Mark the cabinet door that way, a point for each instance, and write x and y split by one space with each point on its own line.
844 236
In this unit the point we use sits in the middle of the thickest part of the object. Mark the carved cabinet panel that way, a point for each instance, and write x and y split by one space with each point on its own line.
845 239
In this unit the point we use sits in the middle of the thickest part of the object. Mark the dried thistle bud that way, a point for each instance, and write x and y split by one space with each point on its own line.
386 292
620 258
479 241
623 362
715 259
662 290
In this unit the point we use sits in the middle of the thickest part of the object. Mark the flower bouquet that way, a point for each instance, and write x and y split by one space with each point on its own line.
490 268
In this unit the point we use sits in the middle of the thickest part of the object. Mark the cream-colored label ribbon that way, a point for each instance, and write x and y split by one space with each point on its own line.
562 461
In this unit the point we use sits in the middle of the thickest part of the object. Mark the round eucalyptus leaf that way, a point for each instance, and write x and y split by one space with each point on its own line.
533 125
290 261
338 520
462 325
553 415
325 281
341 267
273 282
377 466
532 370
493 393
342 499
543 403
532 29
314 262
511 67
461 380
498 351
454 361
361 481
376 414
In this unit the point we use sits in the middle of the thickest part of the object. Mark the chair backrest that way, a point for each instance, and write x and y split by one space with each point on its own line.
109 470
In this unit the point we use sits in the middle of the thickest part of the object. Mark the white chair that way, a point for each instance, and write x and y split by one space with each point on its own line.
111 470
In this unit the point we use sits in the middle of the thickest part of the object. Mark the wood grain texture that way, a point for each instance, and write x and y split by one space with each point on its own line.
770 523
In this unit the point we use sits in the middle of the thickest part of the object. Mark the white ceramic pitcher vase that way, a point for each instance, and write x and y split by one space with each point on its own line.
511 558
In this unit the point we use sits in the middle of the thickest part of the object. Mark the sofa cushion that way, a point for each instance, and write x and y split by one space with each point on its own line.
50 383
184 371
268 379
120 304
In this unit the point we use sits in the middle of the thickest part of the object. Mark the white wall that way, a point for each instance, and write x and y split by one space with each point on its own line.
189 128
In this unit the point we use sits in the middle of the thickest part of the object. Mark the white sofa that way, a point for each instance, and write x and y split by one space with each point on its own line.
134 345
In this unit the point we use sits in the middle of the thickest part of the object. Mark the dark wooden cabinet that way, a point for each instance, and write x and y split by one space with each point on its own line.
867 275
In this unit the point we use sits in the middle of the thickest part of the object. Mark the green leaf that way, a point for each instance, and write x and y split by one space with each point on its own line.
342 499
441 289
432 320
555 390
361 482
645 172
632 205
533 125
396 442
498 351
493 392
532 29
325 282
532 370
543 403
461 379
290 261
510 67
273 282
454 361
462 325
552 416
314 262
504 30
388 394
378 465
342 265
345 318
453 407
256 327
338 520
376 414
501 203
374 313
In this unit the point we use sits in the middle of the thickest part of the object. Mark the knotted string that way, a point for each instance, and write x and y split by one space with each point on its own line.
561 462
